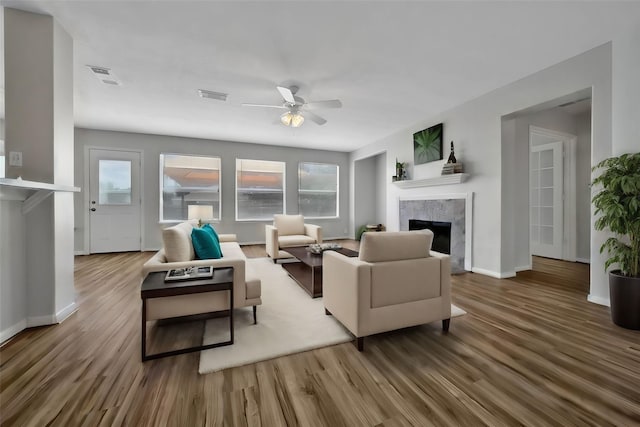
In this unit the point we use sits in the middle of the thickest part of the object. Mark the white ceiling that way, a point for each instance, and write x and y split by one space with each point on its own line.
393 64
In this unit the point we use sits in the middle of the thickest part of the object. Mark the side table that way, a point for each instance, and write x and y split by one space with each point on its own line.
154 286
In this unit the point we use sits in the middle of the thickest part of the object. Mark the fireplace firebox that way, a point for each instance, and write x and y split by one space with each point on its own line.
441 233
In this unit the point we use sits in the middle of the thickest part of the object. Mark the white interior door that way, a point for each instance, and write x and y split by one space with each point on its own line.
546 200
114 201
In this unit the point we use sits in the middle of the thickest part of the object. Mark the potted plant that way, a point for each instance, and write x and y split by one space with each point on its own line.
618 206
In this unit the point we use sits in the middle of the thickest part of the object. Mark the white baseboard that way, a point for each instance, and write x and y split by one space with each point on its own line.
12 330
523 268
501 275
66 312
150 249
34 321
82 252
583 260
599 300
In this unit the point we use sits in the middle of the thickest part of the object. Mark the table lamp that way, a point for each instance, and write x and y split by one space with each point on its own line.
199 212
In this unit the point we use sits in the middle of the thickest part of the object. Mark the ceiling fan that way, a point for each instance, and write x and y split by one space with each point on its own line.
297 108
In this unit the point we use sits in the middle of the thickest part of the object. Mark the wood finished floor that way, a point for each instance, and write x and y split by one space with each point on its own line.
530 351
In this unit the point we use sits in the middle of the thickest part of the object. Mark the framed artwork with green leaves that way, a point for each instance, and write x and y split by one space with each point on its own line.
427 145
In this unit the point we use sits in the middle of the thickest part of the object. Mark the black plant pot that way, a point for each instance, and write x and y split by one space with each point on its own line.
624 292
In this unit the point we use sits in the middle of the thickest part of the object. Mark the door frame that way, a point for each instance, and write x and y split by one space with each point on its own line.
569 141
87 190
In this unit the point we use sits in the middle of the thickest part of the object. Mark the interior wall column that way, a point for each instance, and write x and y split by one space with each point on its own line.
39 124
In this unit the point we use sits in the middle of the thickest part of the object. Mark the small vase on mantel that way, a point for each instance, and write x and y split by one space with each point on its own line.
452 156
452 166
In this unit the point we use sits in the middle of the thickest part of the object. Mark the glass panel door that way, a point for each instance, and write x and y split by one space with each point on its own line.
546 187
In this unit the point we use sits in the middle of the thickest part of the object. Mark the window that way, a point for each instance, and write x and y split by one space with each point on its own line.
259 189
186 182
318 190
114 182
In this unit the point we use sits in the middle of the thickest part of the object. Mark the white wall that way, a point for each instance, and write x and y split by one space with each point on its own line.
369 204
583 189
152 146
626 92
625 137
476 129
509 189
382 178
39 123
63 161
365 192
29 58
13 256
2 152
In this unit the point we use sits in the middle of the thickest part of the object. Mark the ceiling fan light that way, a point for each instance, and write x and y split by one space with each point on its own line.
297 120
286 118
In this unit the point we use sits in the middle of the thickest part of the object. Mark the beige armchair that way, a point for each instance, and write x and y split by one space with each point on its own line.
396 282
288 231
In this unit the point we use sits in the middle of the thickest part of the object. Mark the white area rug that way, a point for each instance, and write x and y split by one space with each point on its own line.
289 321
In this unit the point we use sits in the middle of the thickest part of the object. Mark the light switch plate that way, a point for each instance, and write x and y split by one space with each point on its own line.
15 158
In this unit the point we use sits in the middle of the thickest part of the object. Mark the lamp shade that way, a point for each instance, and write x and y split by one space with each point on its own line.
200 212
297 120
286 118
294 119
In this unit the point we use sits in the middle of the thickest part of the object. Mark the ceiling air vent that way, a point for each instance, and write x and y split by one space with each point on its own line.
212 95
105 75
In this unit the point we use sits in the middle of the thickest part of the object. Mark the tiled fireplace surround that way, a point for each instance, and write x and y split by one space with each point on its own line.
450 208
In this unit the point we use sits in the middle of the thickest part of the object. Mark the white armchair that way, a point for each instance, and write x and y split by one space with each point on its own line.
396 282
288 231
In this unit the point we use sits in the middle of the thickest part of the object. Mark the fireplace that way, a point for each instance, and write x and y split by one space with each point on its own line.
441 233
448 214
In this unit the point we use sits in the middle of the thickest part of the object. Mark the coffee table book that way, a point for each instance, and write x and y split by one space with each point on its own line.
189 273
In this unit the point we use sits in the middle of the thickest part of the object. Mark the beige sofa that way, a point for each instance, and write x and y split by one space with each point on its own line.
396 282
288 231
178 253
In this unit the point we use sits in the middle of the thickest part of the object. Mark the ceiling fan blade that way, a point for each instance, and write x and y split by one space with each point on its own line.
265 106
314 117
330 103
286 94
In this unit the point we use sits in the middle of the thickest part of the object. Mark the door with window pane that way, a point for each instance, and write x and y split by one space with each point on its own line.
546 206
114 201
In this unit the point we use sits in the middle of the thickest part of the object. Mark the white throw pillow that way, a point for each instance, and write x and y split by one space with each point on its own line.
177 243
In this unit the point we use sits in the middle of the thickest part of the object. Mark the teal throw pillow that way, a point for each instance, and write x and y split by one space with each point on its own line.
205 246
212 230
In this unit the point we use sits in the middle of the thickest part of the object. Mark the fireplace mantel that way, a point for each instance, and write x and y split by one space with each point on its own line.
455 178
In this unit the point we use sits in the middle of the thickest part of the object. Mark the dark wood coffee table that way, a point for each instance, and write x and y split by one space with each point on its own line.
308 271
